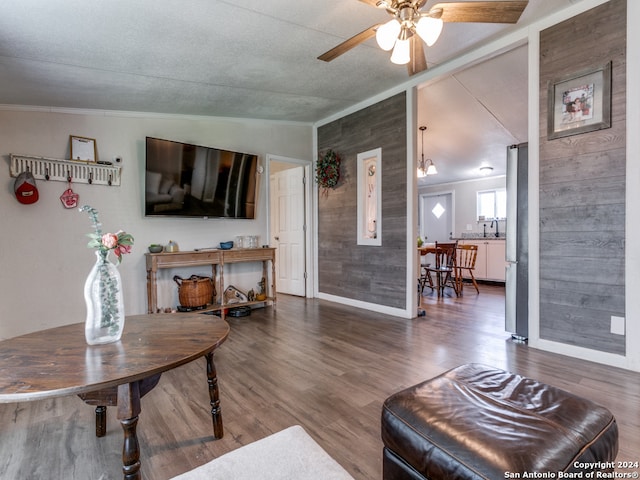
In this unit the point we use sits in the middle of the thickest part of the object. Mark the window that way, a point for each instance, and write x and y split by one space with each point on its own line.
492 204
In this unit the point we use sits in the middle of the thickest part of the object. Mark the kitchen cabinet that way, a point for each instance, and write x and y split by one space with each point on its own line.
496 263
490 260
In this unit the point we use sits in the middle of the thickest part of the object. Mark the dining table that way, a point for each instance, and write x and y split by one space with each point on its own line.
57 362
426 248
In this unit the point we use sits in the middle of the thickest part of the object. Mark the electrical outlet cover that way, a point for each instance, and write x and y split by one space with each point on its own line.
617 325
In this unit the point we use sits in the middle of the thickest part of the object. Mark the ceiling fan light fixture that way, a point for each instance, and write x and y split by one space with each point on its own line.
429 29
409 19
387 34
401 52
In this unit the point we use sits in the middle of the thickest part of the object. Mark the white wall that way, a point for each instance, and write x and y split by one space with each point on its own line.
465 201
44 260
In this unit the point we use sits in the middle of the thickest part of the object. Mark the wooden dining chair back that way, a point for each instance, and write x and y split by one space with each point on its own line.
444 268
466 264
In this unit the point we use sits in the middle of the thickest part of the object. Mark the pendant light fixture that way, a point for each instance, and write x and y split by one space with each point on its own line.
425 167
431 168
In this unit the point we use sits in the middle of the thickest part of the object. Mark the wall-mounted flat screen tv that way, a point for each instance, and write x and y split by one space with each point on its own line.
193 181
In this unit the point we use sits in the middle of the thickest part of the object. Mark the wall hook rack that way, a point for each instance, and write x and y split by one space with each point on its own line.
43 168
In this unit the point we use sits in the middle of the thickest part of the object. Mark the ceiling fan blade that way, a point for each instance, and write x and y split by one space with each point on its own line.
373 3
349 43
418 62
482 12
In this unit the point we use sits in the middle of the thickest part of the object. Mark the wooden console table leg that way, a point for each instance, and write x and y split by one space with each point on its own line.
152 292
214 395
214 277
128 412
101 421
273 279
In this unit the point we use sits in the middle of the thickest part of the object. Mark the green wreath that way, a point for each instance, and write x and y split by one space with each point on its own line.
328 170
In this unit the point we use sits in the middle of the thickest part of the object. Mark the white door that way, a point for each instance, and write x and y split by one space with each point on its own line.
287 229
436 217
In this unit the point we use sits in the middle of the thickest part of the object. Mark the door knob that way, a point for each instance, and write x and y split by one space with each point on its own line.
277 238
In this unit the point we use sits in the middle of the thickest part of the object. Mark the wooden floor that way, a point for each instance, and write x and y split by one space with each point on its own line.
321 365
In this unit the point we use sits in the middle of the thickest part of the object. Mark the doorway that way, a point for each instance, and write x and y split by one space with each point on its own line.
436 217
288 202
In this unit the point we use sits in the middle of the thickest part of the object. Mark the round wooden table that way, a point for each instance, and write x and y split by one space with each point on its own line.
57 362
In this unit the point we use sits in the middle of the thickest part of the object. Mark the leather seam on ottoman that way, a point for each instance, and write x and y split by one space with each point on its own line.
591 443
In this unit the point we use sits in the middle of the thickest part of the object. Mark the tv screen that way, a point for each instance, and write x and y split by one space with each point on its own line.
193 181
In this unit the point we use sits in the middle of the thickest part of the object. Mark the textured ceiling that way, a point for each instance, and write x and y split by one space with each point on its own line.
245 58
240 58
473 115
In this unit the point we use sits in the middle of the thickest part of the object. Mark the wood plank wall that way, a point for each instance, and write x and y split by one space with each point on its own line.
375 274
582 190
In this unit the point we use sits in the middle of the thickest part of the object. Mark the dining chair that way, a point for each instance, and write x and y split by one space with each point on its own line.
444 268
466 263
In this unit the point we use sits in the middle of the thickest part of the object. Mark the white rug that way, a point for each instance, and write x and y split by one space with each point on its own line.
287 455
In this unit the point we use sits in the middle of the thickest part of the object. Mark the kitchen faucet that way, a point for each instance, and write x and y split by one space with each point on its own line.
496 222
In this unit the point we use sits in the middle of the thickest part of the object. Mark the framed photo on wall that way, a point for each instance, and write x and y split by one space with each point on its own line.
83 149
580 102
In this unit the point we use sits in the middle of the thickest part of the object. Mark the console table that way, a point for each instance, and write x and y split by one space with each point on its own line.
217 259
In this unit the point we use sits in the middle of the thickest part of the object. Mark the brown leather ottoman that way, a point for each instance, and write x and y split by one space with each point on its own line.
479 422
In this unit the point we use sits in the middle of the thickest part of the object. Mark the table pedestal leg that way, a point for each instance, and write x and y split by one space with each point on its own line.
128 411
214 396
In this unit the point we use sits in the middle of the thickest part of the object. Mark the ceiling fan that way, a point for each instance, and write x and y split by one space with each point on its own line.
410 27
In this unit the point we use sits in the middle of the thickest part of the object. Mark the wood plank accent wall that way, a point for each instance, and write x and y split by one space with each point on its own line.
375 274
582 190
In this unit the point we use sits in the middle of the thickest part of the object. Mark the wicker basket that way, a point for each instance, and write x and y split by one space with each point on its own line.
195 291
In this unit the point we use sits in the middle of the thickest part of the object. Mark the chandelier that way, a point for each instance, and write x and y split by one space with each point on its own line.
408 20
425 167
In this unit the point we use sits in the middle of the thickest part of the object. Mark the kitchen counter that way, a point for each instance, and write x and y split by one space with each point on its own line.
501 237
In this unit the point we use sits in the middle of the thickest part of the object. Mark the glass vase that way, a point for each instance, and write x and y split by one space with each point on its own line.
105 305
